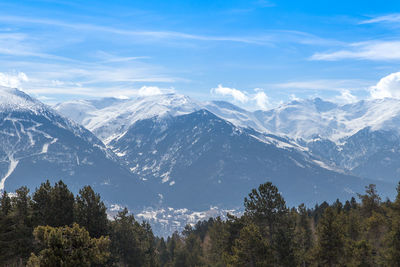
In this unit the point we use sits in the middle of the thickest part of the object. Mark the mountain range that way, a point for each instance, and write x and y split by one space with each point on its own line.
359 138
169 154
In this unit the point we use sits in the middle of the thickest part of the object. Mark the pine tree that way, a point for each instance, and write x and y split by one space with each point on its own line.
53 206
370 202
62 201
42 205
304 237
283 243
132 243
163 256
251 249
90 212
393 243
5 204
190 254
7 227
266 207
22 221
219 248
68 246
330 239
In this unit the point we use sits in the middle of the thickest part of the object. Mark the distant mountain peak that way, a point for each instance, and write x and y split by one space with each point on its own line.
14 99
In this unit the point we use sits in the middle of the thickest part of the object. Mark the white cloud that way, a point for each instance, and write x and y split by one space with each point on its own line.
346 96
235 93
258 99
262 100
293 97
388 86
149 91
13 79
371 50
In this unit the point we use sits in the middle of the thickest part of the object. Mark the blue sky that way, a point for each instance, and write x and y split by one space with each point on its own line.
254 53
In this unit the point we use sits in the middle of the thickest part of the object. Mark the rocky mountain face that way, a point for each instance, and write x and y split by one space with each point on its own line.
351 137
199 160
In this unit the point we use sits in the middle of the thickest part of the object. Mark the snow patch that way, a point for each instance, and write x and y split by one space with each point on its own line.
46 147
11 168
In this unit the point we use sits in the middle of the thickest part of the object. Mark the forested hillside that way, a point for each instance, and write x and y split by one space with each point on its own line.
52 227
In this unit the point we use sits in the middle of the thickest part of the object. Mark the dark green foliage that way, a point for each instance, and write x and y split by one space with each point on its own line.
132 243
163 255
393 242
62 203
265 207
5 204
16 239
57 208
330 242
251 249
370 201
90 212
53 206
267 234
68 246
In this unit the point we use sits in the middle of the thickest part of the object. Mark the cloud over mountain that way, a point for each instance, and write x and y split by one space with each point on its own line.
388 86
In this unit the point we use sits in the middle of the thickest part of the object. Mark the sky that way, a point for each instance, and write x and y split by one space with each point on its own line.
256 54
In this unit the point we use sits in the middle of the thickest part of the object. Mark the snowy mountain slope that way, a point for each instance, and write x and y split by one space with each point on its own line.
362 138
369 153
199 160
298 120
302 119
316 118
234 114
81 111
112 121
321 126
37 144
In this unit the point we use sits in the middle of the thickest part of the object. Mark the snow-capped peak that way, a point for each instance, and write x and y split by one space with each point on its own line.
300 119
14 99
111 118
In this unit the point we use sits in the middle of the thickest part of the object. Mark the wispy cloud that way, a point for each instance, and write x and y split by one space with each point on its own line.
371 50
20 44
106 57
325 84
386 18
265 38
84 79
133 33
